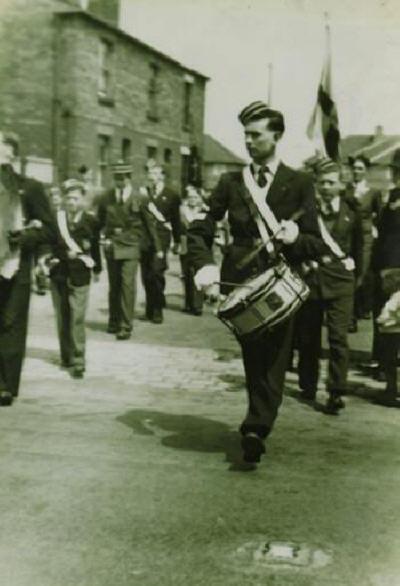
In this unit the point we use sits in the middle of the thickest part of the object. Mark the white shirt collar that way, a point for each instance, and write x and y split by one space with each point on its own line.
126 192
158 188
360 188
272 165
335 204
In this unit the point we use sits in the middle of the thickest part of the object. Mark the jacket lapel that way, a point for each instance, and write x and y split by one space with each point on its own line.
280 184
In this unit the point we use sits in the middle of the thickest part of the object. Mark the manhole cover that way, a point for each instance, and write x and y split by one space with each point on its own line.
278 552
263 554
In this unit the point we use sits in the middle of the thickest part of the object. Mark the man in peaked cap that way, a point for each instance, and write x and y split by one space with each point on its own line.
287 192
124 218
76 255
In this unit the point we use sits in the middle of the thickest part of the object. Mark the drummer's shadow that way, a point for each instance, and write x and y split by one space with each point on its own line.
187 433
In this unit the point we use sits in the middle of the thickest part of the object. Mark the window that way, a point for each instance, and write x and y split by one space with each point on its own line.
167 156
187 105
151 153
126 150
154 87
105 86
103 158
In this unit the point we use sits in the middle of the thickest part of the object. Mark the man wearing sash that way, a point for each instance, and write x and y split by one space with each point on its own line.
26 224
126 222
331 282
76 256
267 188
164 206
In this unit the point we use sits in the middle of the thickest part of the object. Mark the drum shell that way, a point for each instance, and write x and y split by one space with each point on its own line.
276 301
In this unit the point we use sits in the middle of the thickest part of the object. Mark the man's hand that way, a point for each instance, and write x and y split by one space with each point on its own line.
35 224
349 264
159 254
207 280
289 232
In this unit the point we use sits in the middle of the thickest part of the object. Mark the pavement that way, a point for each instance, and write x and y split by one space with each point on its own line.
133 475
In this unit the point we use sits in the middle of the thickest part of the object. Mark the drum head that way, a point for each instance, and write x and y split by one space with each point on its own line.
245 292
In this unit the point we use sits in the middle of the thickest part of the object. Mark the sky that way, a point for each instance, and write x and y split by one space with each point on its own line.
233 41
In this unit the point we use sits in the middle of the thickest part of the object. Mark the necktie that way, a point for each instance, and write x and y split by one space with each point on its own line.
261 178
120 197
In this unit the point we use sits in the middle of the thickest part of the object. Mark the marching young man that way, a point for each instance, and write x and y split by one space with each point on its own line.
126 222
75 257
332 283
287 192
26 224
164 207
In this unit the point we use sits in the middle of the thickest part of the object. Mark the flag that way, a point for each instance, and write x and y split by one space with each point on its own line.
323 128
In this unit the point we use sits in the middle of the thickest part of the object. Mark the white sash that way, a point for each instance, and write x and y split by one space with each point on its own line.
70 242
153 209
259 195
330 242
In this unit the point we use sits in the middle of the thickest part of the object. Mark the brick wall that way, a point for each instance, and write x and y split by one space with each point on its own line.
126 115
49 70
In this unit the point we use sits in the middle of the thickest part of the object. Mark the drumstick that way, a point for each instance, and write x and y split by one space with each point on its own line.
249 257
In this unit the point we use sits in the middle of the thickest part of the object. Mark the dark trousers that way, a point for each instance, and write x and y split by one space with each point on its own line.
265 364
153 278
338 315
389 357
122 292
70 305
193 297
14 308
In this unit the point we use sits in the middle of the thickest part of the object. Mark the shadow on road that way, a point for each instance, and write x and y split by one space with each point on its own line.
186 432
97 326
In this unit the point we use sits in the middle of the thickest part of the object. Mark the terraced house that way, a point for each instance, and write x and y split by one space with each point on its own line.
79 90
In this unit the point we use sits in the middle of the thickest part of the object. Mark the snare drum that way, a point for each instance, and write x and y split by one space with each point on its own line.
264 302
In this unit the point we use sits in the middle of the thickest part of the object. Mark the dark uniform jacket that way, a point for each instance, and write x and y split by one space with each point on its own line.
129 226
167 202
369 205
35 206
289 192
84 231
387 249
331 279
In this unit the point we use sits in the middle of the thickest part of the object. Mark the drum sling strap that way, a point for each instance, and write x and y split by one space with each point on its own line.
262 214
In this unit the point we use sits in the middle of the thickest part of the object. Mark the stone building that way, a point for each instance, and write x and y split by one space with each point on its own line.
78 90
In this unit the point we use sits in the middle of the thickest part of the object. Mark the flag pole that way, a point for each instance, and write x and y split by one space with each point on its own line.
270 80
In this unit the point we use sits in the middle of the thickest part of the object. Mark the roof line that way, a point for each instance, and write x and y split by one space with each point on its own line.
373 145
385 152
131 38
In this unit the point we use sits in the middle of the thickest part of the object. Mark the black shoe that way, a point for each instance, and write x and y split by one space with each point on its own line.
187 310
333 406
112 329
306 396
6 399
123 335
157 317
387 399
197 312
78 372
253 447
379 375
